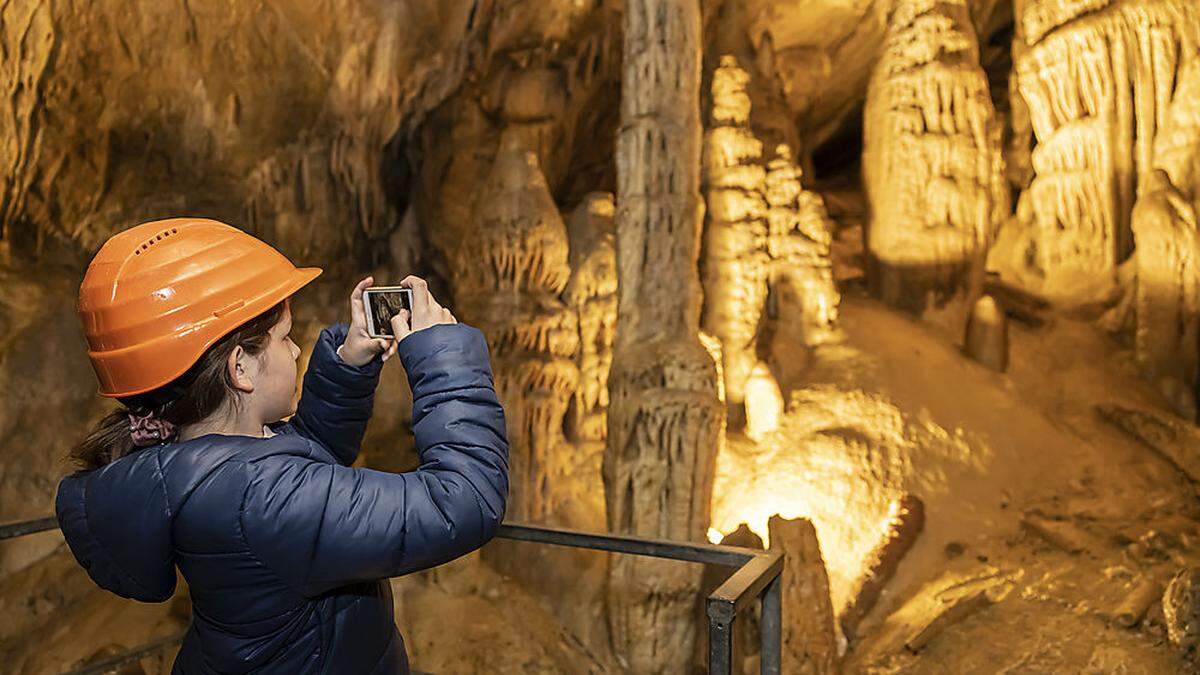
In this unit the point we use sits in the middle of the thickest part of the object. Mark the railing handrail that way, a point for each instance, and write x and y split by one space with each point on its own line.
758 576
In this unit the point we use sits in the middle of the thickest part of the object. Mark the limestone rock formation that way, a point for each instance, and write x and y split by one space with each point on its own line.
765 234
735 257
664 417
447 138
932 165
1097 77
509 278
1167 340
1167 306
799 236
987 334
1181 611
764 403
809 640
592 294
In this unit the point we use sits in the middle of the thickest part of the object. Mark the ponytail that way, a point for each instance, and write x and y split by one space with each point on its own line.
190 398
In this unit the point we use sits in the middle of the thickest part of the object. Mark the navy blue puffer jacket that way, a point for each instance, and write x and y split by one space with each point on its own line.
285 548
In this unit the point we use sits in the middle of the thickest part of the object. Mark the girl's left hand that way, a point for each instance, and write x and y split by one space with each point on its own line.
359 347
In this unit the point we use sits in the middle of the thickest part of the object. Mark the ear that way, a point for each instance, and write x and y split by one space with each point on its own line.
238 370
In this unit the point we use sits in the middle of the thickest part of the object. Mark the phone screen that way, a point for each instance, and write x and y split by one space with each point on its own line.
381 304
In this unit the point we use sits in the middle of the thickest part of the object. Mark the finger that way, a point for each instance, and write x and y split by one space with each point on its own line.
400 326
391 349
420 294
357 316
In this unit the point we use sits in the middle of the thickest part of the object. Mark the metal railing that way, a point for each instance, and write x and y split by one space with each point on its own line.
758 575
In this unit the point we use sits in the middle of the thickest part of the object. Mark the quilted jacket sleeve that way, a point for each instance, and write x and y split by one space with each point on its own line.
337 398
323 525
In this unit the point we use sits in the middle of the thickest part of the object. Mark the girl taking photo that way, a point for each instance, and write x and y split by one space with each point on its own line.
285 547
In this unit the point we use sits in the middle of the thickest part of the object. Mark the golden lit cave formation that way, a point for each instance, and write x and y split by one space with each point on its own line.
909 285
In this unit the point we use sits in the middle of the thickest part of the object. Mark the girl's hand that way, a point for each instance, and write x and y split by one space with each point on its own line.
359 348
426 311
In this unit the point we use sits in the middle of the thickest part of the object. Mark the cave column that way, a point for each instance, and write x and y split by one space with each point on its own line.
664 416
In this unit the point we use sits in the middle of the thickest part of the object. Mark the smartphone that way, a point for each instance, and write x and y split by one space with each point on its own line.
381 303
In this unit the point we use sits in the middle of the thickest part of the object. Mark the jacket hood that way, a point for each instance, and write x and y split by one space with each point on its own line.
118 519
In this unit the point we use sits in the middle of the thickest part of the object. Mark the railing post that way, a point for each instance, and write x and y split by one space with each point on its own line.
720 645
772 628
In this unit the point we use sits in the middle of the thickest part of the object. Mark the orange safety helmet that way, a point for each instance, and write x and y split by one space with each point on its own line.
157 295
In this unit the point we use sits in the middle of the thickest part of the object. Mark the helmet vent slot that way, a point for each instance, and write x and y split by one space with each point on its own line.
157 238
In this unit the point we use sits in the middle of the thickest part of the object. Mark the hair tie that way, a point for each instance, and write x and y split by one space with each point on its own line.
148 430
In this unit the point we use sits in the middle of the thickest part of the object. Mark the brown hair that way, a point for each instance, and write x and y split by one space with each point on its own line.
187 399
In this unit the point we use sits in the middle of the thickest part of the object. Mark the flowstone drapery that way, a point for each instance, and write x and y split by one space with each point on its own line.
932 165
1098 78
664 416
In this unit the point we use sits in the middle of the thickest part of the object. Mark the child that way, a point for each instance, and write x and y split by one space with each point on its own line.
285 548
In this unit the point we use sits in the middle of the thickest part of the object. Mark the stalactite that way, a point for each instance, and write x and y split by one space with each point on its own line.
1097 77
664 417
507 282
735 261
27 32
799 237
931 163
592 294
283 197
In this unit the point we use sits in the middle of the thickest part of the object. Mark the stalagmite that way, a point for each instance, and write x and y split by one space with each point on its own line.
1168 292
931 162
809 640
507 282
664 416
1097 78
764 403
799 236
765 232
987 334
735 259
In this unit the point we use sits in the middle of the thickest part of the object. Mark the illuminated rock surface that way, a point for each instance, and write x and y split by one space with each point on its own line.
778 169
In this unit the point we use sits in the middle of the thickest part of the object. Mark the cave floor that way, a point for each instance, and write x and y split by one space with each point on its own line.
989 453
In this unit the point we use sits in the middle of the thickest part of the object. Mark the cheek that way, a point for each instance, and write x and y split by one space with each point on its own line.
288 366
281 370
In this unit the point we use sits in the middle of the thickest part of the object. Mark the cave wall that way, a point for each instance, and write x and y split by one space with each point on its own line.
475 142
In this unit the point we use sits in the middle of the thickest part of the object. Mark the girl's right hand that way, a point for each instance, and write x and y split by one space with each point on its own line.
426 311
